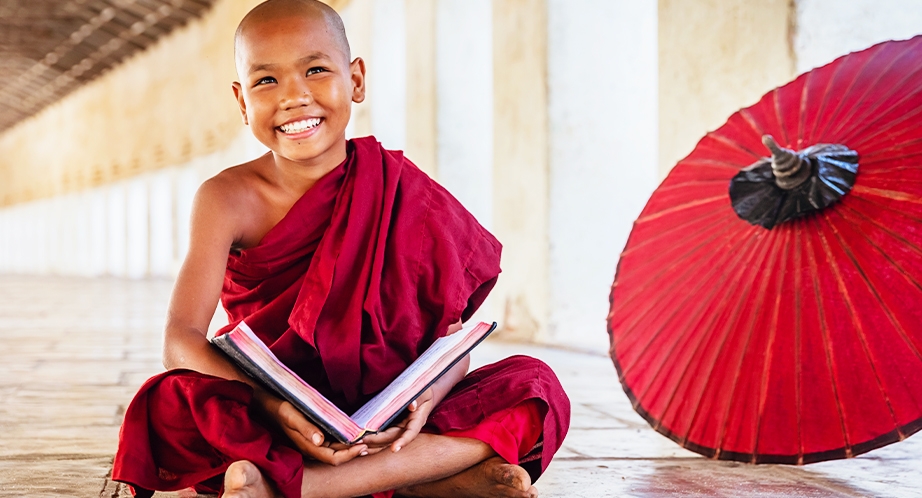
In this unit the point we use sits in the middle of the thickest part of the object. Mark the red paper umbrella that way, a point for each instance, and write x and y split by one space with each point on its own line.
777 317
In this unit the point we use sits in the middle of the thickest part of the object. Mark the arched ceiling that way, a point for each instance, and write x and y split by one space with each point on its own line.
48 48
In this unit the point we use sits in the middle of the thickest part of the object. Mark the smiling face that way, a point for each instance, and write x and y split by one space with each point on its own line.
297 85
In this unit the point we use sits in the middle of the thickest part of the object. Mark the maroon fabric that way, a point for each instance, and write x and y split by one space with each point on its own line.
367 269
183 429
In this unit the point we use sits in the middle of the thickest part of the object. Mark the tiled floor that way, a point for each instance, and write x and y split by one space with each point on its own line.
73 351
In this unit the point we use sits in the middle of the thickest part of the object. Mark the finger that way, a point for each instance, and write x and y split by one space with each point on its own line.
414 425
337 446
343 456
385 437
293 419
375 449
329 456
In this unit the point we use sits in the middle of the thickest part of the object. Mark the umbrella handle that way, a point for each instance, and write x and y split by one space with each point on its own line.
790 168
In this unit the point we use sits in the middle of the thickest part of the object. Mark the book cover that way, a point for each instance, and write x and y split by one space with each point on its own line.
258 361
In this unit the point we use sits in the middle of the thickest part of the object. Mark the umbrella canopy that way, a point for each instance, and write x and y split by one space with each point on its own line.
769 309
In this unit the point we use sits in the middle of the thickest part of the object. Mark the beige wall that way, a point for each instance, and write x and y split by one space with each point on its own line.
715 57
422 104
159 108
520 164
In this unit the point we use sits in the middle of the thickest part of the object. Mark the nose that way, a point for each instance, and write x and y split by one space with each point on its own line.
295 93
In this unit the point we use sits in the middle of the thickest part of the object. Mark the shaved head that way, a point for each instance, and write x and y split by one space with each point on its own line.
273 10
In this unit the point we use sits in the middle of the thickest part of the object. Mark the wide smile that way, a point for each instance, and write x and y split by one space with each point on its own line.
300 128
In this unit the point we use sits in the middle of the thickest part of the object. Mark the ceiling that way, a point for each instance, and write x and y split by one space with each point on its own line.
48 48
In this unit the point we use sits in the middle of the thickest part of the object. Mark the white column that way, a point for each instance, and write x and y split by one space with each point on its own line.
161 224
187 183
98 232
387 73
116 230
464 79
602 82
138 228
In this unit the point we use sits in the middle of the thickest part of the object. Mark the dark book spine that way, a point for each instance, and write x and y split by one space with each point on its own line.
229 348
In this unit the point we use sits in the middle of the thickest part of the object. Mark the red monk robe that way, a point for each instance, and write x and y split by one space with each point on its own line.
365 271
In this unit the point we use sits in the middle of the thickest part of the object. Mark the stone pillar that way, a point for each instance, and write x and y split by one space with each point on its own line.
116 231
137 225
520 165
602 79
387 73
358 19
162 250
715 57
422 105
464 79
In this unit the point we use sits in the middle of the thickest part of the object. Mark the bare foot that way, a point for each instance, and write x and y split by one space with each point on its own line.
244 480
493 477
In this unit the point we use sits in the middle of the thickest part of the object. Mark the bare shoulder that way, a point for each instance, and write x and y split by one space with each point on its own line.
230 202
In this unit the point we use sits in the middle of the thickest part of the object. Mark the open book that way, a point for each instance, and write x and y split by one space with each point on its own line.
257 360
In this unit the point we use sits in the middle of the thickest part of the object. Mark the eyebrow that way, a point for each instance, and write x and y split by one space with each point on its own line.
270 66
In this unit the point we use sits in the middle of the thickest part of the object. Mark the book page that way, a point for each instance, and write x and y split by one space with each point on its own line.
430 365
280 378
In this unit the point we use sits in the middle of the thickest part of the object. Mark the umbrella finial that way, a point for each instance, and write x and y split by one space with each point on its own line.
789 167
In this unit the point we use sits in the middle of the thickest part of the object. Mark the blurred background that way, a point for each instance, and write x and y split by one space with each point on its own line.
551 120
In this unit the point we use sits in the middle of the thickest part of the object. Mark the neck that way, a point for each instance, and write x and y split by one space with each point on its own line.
300 176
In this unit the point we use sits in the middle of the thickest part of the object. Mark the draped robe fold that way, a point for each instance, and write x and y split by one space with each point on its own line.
365 271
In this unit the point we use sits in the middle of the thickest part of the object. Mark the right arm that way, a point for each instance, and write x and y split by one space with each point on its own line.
218 220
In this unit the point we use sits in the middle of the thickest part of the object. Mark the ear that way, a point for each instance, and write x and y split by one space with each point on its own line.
238 94
358 80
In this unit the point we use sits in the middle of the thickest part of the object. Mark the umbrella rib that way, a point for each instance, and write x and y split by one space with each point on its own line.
835 74
887 194
838 109
848 119
689 271
747 117
695 162
801 124
892 148
677 228
691 183
736 255
766 373
904 273
699 202
732 143
844 291
902 239
878 131
776 104
871 122
827 347
872 109
752 317
798 368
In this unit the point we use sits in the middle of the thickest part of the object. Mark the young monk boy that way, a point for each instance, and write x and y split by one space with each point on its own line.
348 262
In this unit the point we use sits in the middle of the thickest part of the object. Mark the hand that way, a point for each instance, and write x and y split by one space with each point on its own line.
306 436
406 431
454 327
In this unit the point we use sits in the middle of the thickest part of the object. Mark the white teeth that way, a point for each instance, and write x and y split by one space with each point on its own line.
300 126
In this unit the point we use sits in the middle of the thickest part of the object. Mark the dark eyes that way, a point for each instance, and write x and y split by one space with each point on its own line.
265 80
